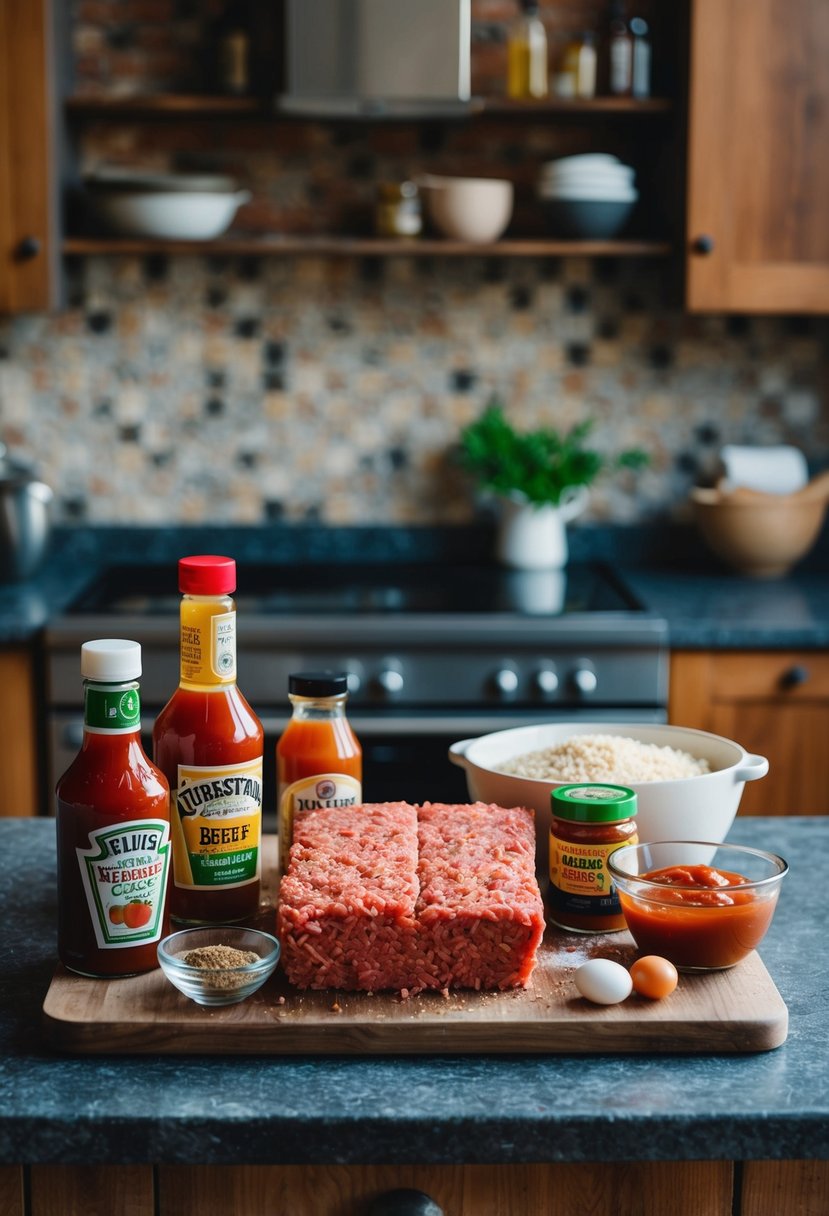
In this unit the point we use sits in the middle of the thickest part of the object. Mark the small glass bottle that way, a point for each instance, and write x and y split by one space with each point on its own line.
620 53
641 81
527 69
589 822
319 761
113 827
209 744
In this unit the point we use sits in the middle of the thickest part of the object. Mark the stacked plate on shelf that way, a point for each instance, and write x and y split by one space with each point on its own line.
588 197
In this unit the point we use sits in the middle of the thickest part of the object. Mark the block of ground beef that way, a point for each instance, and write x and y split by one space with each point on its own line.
390 896
479 912
347 901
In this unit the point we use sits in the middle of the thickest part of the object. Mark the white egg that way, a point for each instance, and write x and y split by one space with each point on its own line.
603 982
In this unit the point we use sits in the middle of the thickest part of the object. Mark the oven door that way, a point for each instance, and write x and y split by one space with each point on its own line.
405 753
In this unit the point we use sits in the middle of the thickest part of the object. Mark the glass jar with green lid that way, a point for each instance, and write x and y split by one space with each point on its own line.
590 820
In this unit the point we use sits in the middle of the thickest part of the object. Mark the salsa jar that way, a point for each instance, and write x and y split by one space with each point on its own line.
590 821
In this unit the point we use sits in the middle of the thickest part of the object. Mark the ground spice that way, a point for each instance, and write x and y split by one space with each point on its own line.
219 958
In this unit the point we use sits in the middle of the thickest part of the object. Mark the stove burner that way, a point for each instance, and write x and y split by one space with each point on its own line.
366 590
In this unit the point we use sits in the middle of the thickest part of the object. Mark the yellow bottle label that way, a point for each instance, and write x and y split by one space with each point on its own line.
323 789
208 644
579 877
217 825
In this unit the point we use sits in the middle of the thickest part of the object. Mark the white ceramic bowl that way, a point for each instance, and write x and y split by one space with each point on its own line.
692 808
474 209
169 206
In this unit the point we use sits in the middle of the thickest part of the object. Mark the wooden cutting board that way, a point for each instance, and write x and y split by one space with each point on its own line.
728 1011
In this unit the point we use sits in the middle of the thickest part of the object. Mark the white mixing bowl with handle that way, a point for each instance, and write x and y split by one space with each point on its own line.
687 808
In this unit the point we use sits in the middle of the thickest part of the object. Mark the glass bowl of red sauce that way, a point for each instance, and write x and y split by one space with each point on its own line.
704 906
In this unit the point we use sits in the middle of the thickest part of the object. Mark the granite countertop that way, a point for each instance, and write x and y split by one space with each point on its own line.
704 605
242 1110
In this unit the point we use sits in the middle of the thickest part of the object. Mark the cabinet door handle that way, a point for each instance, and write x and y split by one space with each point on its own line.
28 248
795 676
703 244
404 1202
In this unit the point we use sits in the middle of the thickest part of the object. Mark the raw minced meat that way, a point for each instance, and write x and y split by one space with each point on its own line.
392 896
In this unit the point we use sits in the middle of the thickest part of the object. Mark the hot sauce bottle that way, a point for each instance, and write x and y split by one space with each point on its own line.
113 827
209 744
318 759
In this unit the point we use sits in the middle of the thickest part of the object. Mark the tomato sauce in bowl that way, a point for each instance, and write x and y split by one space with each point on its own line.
701 916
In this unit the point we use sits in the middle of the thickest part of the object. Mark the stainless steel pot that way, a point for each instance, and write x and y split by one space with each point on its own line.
25 522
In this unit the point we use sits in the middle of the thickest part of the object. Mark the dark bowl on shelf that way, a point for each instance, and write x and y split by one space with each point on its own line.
586 219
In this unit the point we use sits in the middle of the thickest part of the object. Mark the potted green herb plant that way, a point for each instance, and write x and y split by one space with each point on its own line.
541 480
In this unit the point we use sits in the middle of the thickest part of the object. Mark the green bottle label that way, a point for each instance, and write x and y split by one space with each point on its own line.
124 876
113 707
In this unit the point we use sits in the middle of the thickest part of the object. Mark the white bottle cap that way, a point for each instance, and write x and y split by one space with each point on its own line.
112 660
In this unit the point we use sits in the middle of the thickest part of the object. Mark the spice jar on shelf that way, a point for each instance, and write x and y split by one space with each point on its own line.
398 211
578 75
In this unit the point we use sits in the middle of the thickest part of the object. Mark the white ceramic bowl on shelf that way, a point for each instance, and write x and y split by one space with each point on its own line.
168 206
473 209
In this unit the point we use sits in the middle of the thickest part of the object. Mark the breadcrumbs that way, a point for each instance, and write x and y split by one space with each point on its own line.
611 758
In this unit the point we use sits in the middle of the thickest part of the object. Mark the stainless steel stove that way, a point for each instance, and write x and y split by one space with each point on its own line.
434 654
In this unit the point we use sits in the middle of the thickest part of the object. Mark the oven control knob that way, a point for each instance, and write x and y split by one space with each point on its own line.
546 681
585 679
391 681
354 683
506 681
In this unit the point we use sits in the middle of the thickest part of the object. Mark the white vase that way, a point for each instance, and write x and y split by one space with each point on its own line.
535 537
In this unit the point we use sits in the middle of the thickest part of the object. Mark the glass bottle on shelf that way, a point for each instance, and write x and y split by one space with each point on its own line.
641 75
232 50
527 71
620 52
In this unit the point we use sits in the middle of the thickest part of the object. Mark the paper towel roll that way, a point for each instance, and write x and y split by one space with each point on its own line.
779 469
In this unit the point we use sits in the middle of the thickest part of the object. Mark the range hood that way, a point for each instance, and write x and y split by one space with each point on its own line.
377 58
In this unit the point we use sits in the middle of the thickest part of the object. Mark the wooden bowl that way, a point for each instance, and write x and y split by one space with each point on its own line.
759 535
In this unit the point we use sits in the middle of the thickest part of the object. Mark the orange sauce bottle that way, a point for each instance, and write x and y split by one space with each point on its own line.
318 759
209 744
113 827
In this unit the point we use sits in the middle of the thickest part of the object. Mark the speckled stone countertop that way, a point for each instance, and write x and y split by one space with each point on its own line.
242 1110
706 607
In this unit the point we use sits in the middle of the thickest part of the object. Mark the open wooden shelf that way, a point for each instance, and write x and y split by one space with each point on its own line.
347 246
181 105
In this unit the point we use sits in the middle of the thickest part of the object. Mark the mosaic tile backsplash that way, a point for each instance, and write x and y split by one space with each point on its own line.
195 389
216 390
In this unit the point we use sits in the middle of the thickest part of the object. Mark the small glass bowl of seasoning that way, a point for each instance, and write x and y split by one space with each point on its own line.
220 964
398 211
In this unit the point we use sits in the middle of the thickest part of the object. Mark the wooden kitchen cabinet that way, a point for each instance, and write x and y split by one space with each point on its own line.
758 169
775 704
27 160
644 1188
18 733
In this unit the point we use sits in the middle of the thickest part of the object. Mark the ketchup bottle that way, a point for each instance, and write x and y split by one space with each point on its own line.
209 744
318 759
113 827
